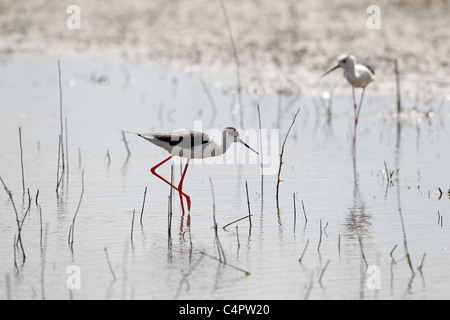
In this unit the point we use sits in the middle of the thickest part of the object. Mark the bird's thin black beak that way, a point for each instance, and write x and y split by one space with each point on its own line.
329 71
248 146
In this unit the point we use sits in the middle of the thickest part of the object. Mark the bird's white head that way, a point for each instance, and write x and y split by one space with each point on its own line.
231 135
344 61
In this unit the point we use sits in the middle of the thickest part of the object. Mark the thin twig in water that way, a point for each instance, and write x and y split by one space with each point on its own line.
339 244
397 81
248 205
67 149
295 211
308 291
108 158
185 276
320 238
132 227
72 226
235 221
19 238
14 250
408 257
392 251
421 263
225 263
170 211
61 115
304 213
109 265
58 179
303 253
281 154
143 204
220 251
40 222
323 271
237 237
261 148
37 196
388 175
21 159
126 143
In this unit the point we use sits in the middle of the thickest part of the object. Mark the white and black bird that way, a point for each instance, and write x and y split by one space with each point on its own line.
191 145
359 74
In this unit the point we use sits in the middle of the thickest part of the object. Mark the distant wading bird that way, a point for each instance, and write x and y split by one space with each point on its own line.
359 74
191 145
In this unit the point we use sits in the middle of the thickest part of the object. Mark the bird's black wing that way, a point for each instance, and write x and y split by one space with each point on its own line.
174 139
171 140
195 139
368 65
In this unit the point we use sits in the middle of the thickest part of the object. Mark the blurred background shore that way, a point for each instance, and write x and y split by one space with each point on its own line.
282 45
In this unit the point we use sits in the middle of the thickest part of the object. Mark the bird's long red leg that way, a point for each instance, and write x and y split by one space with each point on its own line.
180 189
153 170
359 108
357 111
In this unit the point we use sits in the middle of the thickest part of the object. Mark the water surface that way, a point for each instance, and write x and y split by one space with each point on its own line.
351 208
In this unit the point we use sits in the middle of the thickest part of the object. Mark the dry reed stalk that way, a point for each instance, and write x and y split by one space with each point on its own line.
170 211
143 204
421 263
339 244
58 178
21 159
61 116
220 251
320 237
19 238
311 282
226 263
295 210
237 237
261 153
304 213
37 196
281 155
126 144
72 226
248 205
303 253
108 158
40 222
408 257
389 175
224 227
323 271
16 267
397 81
132 227
67 149
109 264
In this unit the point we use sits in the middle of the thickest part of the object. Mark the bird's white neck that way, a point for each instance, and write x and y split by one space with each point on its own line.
226 143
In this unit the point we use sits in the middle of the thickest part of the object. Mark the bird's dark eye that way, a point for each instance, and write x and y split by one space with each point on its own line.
345 60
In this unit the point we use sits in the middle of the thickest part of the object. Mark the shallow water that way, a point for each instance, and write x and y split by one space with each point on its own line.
358 210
